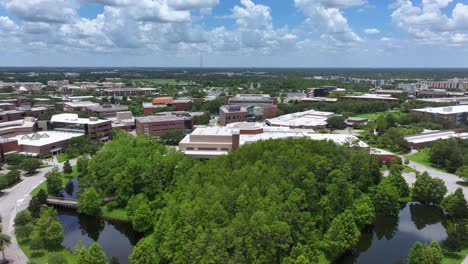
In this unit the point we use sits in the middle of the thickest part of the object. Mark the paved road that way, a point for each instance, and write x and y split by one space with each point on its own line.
15 200
449 179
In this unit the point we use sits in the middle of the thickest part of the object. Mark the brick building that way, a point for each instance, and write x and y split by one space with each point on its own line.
94 128
157 125
232 114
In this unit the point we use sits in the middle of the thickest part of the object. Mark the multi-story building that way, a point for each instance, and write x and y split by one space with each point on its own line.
232 114
457 114
45 143
370 98
57 84
252 99
82 106
7 146
18 127
157 125
107 110
92 127
310 119
161 102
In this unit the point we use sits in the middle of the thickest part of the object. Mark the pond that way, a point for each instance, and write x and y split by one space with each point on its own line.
390 240
115 237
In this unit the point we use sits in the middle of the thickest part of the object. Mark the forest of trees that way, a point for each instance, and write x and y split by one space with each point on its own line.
268 202
449 154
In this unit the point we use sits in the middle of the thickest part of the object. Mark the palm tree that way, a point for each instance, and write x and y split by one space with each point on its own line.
5 240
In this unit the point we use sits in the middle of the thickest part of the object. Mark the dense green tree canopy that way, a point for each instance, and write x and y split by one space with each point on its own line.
428 190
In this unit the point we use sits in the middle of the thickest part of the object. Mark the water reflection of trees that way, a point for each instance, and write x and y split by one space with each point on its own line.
423 215
387 226
127 230
91 226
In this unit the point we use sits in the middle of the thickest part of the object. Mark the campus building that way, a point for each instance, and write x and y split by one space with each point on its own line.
310 119
92 127
157 125
107 110
424 140
370 98
44 143
457 114
7 146
18 127
209 142
161 102
123 120
232 114
80 106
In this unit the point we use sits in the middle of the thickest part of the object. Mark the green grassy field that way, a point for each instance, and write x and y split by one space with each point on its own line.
115 214
41 256
423 156
374 116
62 157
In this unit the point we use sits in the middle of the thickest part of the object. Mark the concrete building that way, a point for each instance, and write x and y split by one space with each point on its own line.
412 87
58 84
11 115
455 100
82 106
232 114
44 143
92 127
370 98
123 120
107 110
167 101
157 125
209 142
252 99
424 140
18 127
310 119
457 114
323 91
129 91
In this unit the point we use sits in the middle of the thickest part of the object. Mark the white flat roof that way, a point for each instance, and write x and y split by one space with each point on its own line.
74 119
302 119
44 138
81 104
430 137
444 110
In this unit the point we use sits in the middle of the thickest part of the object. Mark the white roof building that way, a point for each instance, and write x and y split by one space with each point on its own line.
74 119
308 119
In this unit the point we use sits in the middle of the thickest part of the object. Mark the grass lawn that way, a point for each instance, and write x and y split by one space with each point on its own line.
62 157
407 168
116 214
463 183
42 255
423 157
455 258
374 116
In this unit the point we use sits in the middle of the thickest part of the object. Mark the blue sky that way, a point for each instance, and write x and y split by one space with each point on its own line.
234 33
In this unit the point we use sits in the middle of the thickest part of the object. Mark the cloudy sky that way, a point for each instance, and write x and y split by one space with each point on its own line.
239 33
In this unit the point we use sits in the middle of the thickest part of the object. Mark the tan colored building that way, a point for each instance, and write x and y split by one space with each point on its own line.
18 127
82 106
457 114
94 128
44 143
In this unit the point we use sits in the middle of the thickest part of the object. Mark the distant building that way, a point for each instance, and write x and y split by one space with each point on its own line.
161 102
232 114
92 127
356 121
123 120
323 91
58 84
457 114
424 140
82 106
157 125
370 98
107 110
310 119
252 99
129 91
412 87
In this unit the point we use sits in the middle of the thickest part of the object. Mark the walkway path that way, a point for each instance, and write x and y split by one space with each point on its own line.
17 199
449 179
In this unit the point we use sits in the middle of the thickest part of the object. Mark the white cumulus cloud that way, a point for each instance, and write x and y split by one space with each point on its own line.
371 31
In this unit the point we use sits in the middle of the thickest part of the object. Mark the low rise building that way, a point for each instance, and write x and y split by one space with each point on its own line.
310 119
370 98
457 114
424 140
157 125
107 110
123 120
7 146
58 84
252 99
209 142
167 101
129 91
94 128
44 143
18 127
82 106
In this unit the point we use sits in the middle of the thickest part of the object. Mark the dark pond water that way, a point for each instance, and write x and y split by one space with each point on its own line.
391 238
116 238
